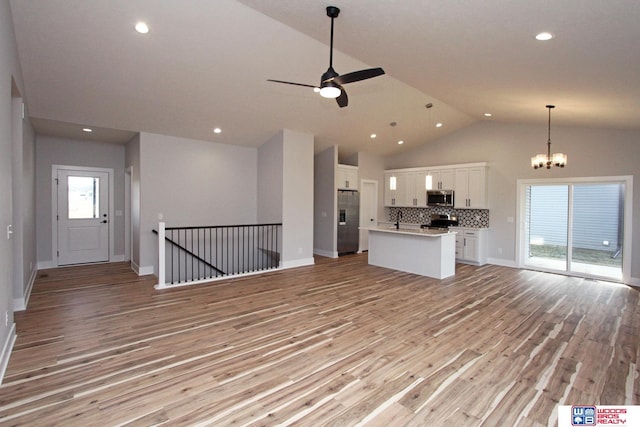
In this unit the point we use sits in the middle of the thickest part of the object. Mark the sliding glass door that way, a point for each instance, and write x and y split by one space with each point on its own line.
574 227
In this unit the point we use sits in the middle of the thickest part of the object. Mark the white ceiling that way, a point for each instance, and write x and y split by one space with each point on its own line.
205 64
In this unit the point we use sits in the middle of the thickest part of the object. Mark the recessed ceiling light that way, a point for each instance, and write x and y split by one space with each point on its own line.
88 130
438 125
400 142
373 135
488 114
142 27
544 36
217 130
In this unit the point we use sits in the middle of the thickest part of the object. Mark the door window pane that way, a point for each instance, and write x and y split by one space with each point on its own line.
83 197
548 218
597 229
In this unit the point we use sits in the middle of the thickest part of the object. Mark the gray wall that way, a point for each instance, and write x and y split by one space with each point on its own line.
285 193
192 182
59 151
24 225
297 212
508 149
132 162
10 87
325 199
270 170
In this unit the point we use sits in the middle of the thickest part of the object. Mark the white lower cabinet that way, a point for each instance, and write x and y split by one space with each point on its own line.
471 245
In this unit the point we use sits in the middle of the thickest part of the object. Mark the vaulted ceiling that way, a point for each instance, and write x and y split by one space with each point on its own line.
205 64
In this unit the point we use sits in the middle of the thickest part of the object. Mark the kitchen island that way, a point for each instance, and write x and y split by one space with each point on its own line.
426 252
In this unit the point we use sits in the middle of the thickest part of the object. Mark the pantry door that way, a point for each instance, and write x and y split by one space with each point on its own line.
82 216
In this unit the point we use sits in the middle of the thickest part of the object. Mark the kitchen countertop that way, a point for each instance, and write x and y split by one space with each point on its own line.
415 231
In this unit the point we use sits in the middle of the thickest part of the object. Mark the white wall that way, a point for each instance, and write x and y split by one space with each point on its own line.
508 149
192 182
325 200
59 151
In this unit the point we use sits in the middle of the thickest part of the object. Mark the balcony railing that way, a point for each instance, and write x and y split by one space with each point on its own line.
189 255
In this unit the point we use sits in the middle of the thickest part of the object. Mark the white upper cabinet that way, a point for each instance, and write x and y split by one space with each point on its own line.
347 177
408 187
394 188
471 188
441 179
416 193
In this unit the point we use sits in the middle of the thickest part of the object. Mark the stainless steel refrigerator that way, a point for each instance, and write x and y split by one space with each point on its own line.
348 221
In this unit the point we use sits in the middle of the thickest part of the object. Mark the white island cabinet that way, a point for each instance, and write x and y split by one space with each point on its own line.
426 252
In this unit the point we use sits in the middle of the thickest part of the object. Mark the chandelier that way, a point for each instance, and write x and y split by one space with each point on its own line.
548 160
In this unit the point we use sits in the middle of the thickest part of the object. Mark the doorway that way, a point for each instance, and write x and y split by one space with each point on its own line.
83 210
578 227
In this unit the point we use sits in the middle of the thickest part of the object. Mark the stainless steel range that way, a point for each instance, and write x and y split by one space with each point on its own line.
441 222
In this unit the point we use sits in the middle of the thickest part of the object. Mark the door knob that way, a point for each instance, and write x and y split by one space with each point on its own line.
103 222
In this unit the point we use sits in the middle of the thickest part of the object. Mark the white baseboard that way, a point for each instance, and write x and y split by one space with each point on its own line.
635 282
143 271
6 351
20 304
118 258
297 263
503 262
44 265
328 254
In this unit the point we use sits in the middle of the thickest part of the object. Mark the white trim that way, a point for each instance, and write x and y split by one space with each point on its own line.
118 258
440 167
502 262
45 265
628 218
302 262
362 218
20 304
324 253
146 270
6 351
161 255
54 207
128 243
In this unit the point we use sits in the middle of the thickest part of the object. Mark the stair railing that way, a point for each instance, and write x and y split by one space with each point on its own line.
188 255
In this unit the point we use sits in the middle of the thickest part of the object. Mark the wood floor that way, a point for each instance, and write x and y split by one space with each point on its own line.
340 343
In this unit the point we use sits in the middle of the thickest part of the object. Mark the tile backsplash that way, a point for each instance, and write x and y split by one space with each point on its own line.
474 218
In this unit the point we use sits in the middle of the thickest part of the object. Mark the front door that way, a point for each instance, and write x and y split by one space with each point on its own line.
82 217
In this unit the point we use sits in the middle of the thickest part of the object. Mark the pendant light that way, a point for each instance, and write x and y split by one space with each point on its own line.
548 160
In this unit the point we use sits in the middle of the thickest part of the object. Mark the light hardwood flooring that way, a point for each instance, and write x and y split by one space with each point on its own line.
340 343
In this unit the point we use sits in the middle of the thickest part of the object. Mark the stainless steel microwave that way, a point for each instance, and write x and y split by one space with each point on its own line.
440 198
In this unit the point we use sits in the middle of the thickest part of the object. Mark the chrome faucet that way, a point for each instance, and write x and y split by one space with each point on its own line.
398 220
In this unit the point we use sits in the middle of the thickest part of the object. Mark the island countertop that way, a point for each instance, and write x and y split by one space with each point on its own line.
414 250
410 230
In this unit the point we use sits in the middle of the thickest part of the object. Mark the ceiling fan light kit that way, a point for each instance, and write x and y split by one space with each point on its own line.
331 82
330 90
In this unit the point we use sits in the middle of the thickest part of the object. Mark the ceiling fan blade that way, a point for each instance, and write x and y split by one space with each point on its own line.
343 99
356 76
292 83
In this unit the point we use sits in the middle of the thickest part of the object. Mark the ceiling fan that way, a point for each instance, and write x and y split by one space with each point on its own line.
331 82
